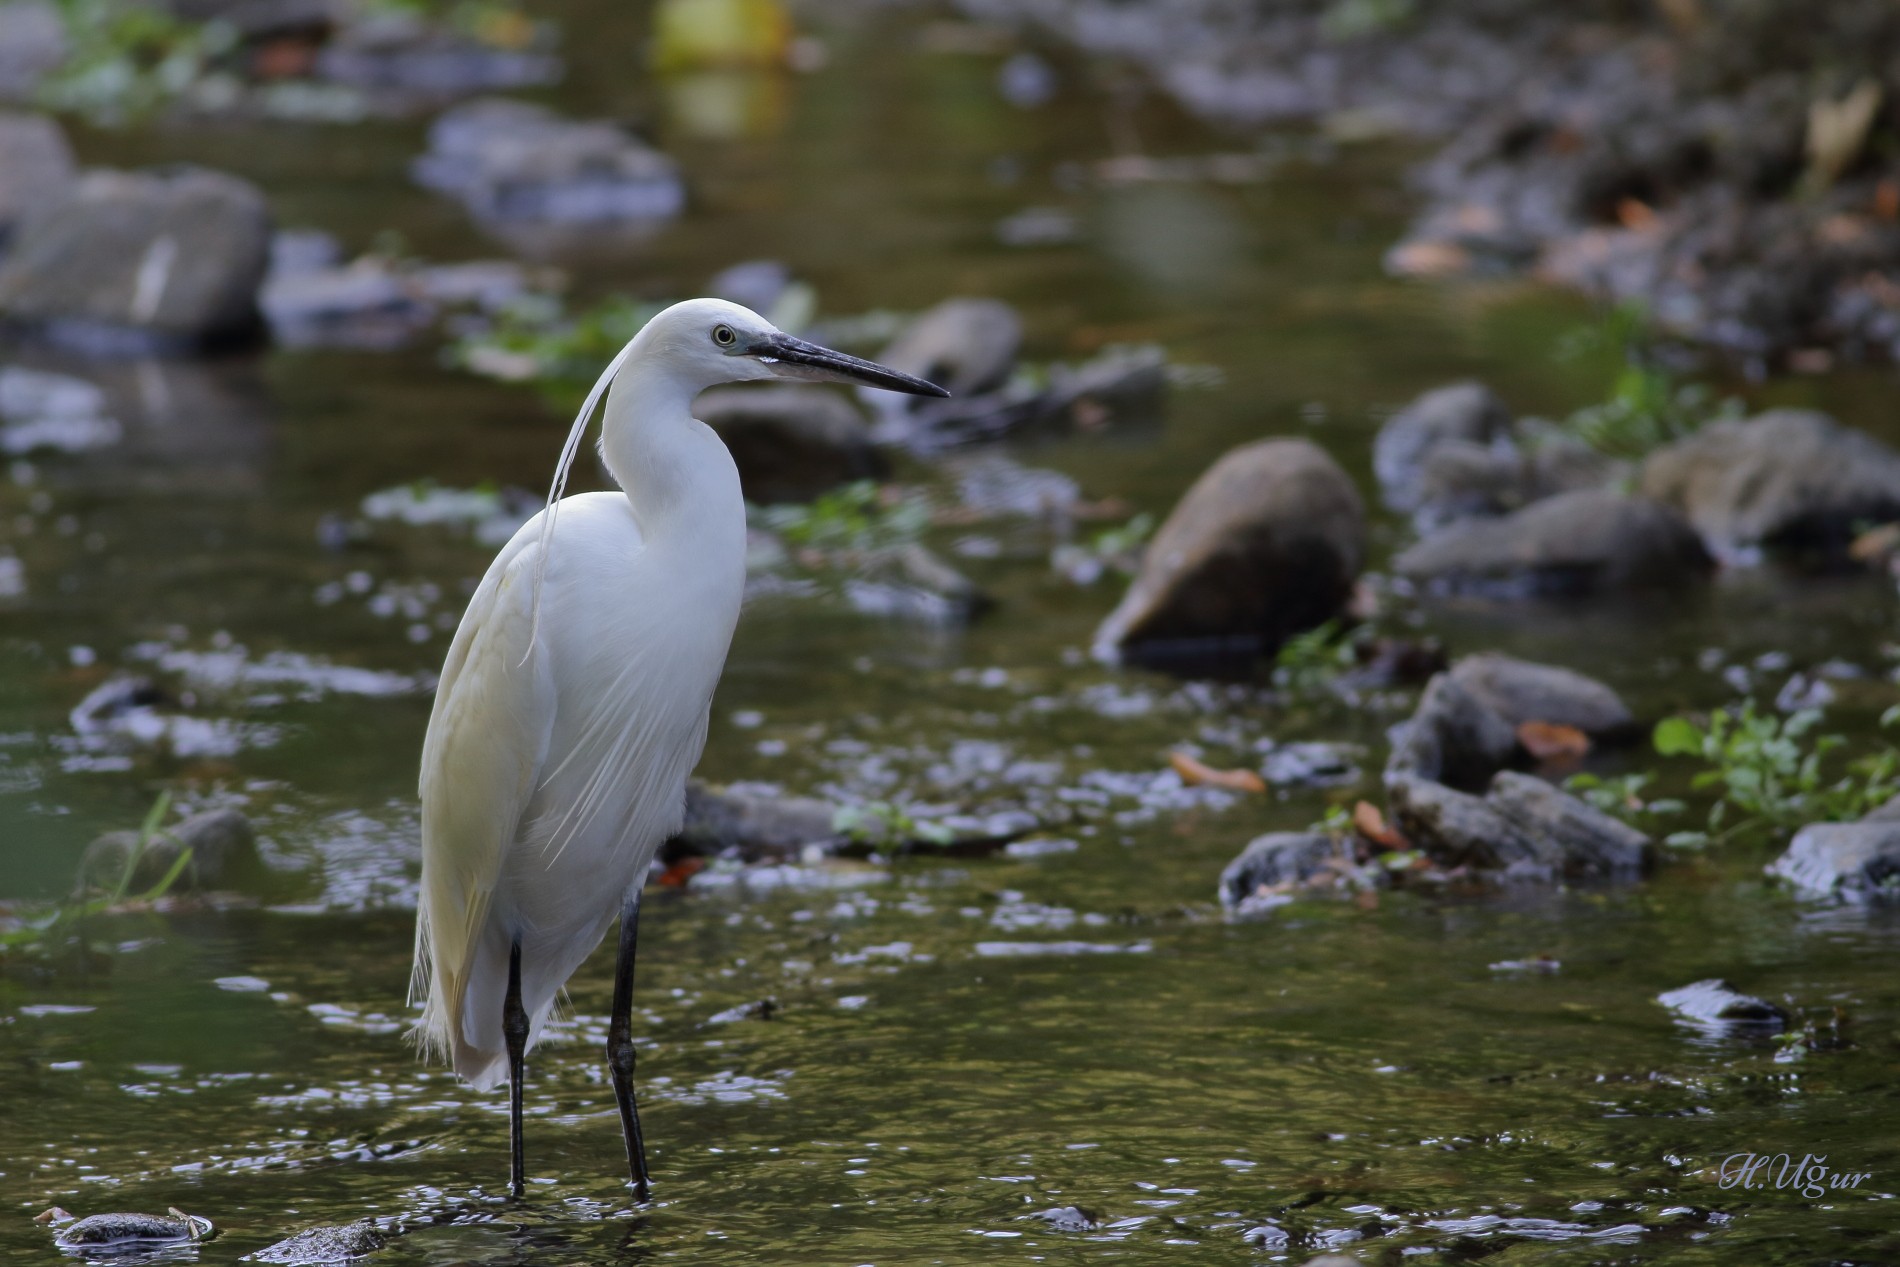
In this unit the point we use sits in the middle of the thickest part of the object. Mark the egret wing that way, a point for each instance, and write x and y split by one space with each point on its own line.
487 741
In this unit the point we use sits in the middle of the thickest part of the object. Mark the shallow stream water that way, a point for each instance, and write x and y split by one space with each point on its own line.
958 1044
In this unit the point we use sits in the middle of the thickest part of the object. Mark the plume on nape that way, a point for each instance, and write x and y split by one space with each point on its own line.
568 450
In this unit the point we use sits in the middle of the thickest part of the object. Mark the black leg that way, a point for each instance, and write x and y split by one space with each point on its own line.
620 1044
514 1029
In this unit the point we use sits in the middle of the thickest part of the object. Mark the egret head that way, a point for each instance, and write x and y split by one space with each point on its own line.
710 341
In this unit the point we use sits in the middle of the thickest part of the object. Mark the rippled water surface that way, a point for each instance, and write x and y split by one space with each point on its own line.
959 1045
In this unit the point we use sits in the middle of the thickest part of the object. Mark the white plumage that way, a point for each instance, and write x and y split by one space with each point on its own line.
574 700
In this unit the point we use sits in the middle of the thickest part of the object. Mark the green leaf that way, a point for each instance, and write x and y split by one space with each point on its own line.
1677 737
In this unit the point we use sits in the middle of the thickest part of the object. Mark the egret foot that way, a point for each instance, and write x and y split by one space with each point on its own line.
620 1044
514 1030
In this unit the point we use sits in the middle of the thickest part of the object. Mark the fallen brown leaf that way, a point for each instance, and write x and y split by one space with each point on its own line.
1371 824
676 876
1552 741
1194 772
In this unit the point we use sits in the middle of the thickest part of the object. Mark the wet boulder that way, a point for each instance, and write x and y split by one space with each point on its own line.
1119 387
791 443
1593 844
1522 826
910 582
1453 737
337 1244
1466 414
1575 543
755 820
1790 479
364 304
1519 691
1851 862
1266 544
1714 1004
223 848
1457 829
1122 386
513 162
38 167
1276 862
142 261
115 1233
965 346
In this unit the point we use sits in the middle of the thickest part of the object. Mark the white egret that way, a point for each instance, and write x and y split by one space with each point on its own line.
574 702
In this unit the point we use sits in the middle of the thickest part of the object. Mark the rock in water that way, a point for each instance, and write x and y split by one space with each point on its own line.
36 170
1520 691
142 261
513 162
1523 825
758 821
1458 829
324 1245
965 346
790 443
1454 737
1593 845
223 848
1267 543
1462 412
1574 543
126 1231
1790 478
1715 1004
1276 861
1854 862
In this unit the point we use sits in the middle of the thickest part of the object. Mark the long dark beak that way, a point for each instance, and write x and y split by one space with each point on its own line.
800 359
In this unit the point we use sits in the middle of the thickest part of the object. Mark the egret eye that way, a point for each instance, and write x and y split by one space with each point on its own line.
724 337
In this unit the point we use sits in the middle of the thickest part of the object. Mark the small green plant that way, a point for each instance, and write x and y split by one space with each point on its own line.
42 927
1771 773
859 516
1310 661
1647 407
1354 19
536 340
1117 548
886 824
1620 796
127 59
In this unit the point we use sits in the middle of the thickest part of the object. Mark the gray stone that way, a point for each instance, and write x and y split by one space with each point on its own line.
223 848
1457 829
365 304
1574 543
757 821
1790 478
1519 691
36 170
1467 412
754 284
141 260
791 443
404 61
965 346
1116 388
1854 862
911 583
124 1231
1453 737
1266 544
510 161
32 43
1460 479
317 1245
1889 812
1715 1004
1592 844
1277 861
